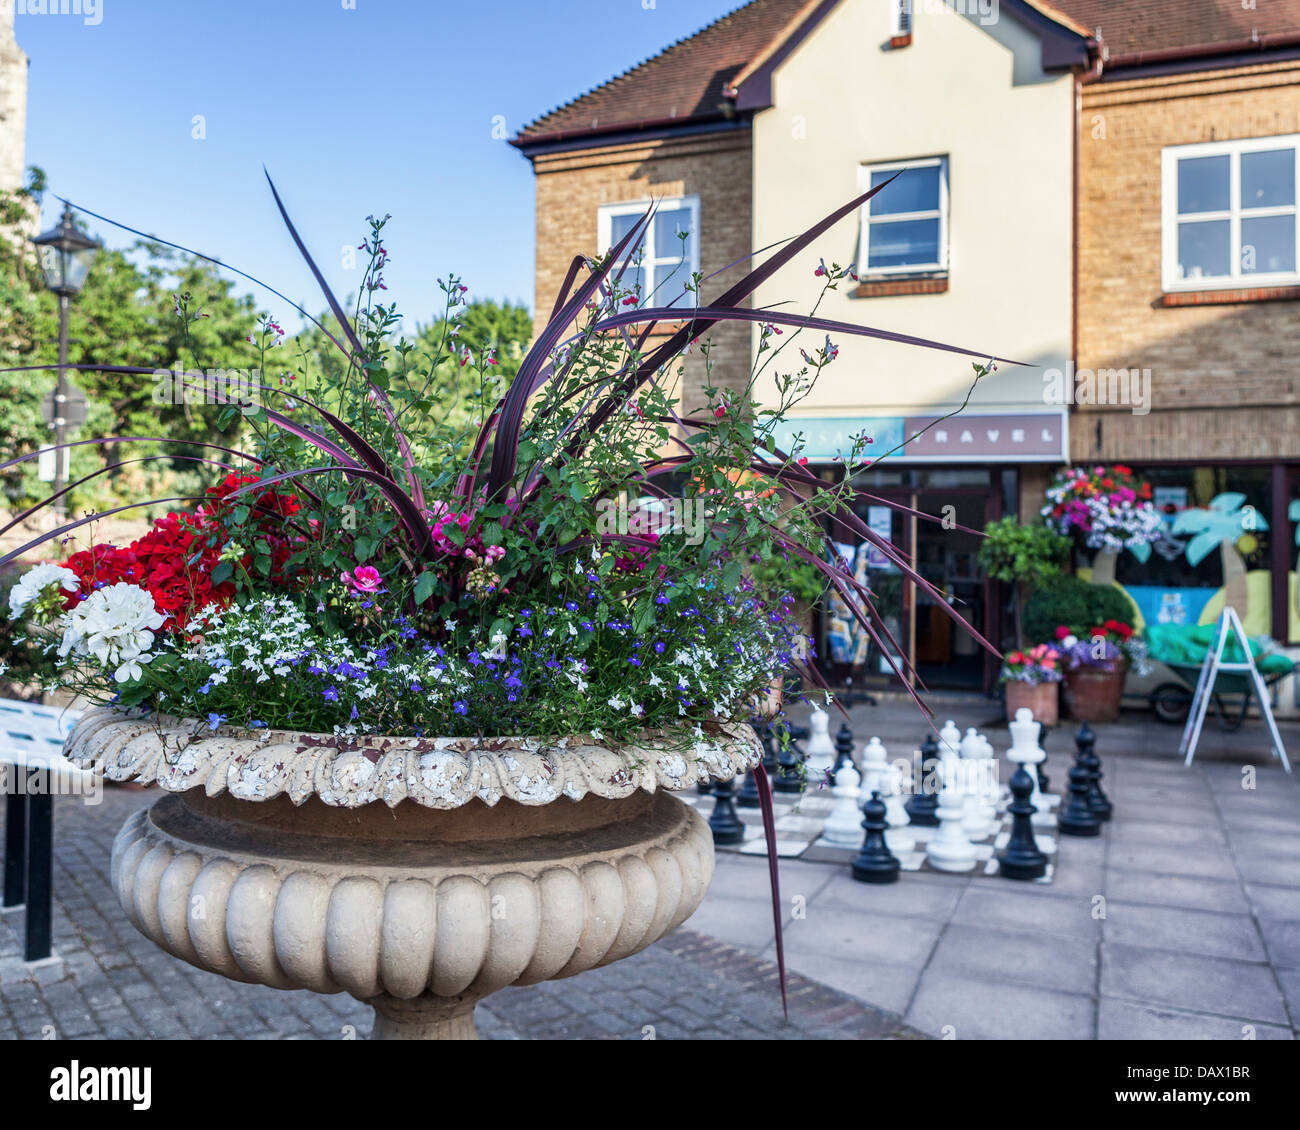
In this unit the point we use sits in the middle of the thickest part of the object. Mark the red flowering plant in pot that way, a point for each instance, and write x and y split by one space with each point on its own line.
470 617
1097 663
1031 678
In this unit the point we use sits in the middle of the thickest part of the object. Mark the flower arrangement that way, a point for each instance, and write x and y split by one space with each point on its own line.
364 567
1039 664
1107 508
1107 645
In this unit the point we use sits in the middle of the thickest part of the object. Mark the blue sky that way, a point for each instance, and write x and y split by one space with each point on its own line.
389 106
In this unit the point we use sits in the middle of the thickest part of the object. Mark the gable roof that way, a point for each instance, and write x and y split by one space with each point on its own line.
685 82
695 81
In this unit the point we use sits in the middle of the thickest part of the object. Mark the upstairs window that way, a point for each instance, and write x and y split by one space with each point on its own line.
900 23
668 256
905 226
1230 214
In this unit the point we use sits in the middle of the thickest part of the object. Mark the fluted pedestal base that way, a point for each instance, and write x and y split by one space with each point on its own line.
425 1017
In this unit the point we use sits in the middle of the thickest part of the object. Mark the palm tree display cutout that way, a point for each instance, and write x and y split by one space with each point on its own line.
1222 525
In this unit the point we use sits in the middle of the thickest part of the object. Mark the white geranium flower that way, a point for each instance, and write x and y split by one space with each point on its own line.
113 625
35 582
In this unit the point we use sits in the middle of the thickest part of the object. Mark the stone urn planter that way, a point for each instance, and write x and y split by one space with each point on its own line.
418 875
1094 693
1042 700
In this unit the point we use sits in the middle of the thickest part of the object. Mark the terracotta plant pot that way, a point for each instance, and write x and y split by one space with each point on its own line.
418 875
1042 700
1093 694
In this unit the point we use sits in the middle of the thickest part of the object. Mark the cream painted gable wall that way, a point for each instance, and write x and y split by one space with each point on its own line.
977 95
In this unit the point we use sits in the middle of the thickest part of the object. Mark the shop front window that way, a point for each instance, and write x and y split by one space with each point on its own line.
1214 549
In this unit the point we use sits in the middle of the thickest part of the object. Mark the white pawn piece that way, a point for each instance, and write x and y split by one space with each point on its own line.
875 770
1024 751
949 740
970 744
821 750
898 837
978 815
950 850
993 781
844 825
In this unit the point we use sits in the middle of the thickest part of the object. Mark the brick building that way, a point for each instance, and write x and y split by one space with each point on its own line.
1038 218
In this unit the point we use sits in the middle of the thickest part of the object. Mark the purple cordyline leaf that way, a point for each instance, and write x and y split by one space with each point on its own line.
799 321
68 527
417 529
769 833
728 300
505 449
385 405
20 518
208 258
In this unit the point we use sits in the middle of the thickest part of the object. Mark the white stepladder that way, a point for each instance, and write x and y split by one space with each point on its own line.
1210 670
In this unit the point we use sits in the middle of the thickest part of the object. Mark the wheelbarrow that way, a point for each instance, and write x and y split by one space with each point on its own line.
1231 694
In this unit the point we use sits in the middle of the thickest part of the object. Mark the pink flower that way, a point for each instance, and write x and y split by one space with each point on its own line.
364 578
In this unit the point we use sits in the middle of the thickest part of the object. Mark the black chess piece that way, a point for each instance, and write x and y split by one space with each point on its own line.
704 787
843 750
875 862
1086 743
789 766
726 826
923 806
1078 819
1021 859
747 797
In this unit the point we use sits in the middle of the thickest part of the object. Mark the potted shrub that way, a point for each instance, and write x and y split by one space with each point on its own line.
1097 662
419 697
1023 556
1031 679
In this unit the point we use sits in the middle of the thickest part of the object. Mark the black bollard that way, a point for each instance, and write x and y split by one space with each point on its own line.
923 806
1021 858
875 863
1086 743
1078 819
843 750
726 826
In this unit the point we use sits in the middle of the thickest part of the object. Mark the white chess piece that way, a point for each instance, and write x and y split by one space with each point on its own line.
1025 751
994 778
970 744
844 825
875 770
949 739
898 837
978 815
950 850
821 750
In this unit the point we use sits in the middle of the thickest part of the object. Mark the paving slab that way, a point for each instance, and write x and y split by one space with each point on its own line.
1206 863
1066 964
956 1005
1127 1020
1236 989
1028 911
1283 942
1152 889
1281 904
1183 930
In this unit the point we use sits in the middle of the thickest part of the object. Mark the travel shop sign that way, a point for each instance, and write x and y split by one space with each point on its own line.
1019 437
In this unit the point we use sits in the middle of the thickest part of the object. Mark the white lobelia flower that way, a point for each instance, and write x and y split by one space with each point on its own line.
114 625
34 584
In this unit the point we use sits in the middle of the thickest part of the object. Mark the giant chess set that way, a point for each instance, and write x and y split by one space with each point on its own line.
945 807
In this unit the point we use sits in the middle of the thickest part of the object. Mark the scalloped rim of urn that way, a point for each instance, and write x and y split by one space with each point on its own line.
259 765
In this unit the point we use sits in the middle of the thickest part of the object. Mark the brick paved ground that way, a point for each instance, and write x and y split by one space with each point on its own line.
115 983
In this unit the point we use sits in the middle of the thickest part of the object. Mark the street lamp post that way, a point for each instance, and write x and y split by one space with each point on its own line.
66 254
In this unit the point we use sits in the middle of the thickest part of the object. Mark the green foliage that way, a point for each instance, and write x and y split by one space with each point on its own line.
1075 603
1030 555
779 576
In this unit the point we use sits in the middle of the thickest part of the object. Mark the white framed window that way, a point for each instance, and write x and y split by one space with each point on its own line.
669 250
1229 213
900 23
905 226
